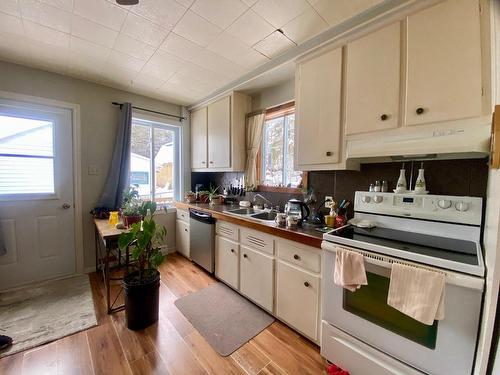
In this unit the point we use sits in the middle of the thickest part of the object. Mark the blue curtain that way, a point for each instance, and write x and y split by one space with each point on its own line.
118 175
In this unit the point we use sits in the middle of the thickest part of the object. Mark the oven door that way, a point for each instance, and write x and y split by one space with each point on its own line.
446 347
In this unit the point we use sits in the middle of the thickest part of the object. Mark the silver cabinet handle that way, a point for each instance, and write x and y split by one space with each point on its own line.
66 206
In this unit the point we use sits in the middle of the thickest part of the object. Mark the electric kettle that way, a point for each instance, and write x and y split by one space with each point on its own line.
297 208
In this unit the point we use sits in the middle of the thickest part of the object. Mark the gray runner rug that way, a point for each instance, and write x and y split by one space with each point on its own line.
45 312
223 317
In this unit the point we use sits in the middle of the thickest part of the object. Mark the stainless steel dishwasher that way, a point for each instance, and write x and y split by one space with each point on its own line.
202 239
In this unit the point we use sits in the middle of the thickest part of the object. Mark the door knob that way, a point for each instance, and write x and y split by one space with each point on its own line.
66 206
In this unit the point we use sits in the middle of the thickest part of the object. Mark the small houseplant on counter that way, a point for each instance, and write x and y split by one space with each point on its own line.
131 206
213 196
142 286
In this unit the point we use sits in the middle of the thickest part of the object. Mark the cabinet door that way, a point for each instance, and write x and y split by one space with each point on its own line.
444 63
257 277
182 238
373 71
219 133
318 109
199 138
297 299
226 261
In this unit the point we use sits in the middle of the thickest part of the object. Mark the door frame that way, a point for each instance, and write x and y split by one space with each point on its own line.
77 167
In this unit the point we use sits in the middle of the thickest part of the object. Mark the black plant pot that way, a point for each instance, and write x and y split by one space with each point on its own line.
141 299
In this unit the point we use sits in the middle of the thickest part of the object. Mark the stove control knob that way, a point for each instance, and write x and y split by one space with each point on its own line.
444 203
378 198
365 199
462 206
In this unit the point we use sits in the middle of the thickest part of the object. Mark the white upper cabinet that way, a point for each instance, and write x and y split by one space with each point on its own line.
199 138
318 98
373 81
444 63
219 132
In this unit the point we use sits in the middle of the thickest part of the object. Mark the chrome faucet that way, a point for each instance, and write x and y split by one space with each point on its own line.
264 199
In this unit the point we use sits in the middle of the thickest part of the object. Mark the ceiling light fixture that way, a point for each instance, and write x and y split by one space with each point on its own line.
127 2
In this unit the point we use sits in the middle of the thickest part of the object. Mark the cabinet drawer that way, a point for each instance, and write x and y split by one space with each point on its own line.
183 215
227 261
225 229
297 299
257 240
300 255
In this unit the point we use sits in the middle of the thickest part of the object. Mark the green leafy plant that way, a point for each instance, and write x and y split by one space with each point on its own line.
145 240
212 192
131 205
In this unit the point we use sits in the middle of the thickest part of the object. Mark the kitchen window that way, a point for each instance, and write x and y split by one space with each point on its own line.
277 152
155 160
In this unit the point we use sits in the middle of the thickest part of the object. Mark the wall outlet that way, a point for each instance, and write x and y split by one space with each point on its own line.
328 201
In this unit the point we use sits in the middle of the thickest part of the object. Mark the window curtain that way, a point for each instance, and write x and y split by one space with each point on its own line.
119 171
254 128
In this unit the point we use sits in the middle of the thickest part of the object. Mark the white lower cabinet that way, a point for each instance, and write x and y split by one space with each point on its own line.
297 298
182 237
285 282
257 277
226 261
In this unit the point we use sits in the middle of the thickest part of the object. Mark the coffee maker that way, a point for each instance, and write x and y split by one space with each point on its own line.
298 208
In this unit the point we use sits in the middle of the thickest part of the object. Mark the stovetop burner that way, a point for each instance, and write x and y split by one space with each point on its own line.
434 246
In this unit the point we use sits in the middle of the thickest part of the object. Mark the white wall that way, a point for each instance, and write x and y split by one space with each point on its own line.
273 96
98 127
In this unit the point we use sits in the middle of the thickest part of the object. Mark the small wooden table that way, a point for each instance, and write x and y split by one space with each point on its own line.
106 246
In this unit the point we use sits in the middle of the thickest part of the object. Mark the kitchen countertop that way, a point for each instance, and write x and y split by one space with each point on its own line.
306 236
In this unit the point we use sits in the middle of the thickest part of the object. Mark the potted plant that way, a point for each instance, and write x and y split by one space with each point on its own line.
190 197
142 286
203 196
131 206
213 196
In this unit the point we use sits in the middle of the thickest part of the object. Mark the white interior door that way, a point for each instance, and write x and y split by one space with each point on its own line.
36 193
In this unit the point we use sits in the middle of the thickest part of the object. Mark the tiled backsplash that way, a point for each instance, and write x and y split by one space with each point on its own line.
448 177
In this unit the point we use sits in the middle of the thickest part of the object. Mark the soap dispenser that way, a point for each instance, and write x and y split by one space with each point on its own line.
420 186
401 185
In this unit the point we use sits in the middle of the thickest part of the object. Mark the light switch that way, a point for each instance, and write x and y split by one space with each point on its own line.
94 170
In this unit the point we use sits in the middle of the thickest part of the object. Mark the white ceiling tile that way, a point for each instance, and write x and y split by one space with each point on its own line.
218 64
124 61
133 47
196 29
10 24
93 32
101 11
335 12
10 7
250 2
181 47
145 81
305 26
274 45
163 65
144 30
118 76
50 57
85 64
186 3
250 28
280 12
165 13
45 34
66 5
85 49
236 51
220 12
201 74
45 15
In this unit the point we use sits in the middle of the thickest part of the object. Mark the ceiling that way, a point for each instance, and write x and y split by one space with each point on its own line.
175 50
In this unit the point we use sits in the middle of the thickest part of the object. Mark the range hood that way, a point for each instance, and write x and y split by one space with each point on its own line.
445 141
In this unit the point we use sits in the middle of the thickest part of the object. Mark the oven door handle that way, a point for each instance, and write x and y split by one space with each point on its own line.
452 278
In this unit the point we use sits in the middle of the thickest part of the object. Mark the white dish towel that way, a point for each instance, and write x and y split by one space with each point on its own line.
349 269
417 292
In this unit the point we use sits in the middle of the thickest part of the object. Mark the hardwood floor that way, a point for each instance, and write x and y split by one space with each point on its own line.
172 346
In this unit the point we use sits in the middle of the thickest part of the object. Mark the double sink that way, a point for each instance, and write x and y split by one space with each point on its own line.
254 214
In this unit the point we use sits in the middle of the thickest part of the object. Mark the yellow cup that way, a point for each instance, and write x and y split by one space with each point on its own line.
113 217
330 220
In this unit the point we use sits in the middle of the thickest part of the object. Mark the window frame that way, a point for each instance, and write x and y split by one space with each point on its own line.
157 122
272 113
